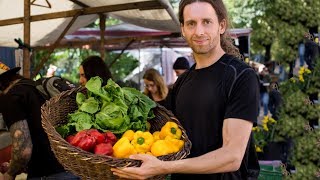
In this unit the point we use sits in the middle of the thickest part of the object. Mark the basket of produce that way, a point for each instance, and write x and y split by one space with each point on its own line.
95 128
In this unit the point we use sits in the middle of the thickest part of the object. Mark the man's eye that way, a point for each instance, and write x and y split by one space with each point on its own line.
191 24
207 22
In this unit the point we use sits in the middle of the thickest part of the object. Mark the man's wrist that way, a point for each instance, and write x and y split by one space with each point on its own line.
166 167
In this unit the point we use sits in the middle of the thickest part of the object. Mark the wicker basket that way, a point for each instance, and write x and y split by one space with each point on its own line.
88 165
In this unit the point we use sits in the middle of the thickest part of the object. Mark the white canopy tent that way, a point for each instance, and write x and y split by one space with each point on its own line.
46 22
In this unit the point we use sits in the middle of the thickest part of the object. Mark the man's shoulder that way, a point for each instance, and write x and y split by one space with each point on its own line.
236 65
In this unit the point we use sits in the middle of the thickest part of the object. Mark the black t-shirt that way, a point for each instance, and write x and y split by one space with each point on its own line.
203 98
23 101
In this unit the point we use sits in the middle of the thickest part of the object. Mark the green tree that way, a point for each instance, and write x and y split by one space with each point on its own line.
279 23
122 66
68 62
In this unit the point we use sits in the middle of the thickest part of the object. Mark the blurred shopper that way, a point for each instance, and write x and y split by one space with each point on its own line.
275 100
155 87
181 65
301 51
22 115
264 87
311 53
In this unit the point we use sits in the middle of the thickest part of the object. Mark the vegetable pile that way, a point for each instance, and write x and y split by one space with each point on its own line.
109 108
106 112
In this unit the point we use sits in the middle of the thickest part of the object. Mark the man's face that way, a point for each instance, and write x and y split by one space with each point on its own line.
201 28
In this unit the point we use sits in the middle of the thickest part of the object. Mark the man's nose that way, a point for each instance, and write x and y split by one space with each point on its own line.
199 29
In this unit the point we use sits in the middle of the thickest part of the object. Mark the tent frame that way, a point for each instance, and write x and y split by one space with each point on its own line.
85 10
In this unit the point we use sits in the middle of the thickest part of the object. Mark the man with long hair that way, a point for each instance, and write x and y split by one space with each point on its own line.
216 102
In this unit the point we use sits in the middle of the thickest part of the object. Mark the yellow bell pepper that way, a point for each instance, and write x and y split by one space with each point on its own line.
123 148
142 141
129 134
156 135
176 143
170 129
161 148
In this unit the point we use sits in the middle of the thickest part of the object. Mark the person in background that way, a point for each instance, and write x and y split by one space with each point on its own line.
301 51
216 102
22 115
275 100
264 87
155 87
181 65
93 66
312 53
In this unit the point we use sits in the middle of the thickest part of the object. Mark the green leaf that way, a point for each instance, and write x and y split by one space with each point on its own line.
90 105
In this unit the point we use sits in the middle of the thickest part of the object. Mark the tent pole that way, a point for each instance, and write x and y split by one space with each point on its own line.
26 39
55 44
102 18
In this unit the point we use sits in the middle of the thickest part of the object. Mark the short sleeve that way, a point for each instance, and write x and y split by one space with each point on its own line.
13 111
243 101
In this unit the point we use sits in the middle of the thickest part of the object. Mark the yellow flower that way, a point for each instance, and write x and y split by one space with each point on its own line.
308 71
301 78
301 70
255 129
265 120
265 127
271 120
258 149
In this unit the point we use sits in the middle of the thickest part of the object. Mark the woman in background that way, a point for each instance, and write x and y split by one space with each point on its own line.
93 66
155 86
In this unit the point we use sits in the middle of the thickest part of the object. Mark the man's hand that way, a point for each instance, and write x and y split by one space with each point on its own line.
150 167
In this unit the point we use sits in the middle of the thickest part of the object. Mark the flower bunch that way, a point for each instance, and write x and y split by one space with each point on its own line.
263 133
303 71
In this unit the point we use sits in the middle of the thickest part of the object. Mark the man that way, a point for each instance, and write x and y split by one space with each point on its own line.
20 106
217 123
181 65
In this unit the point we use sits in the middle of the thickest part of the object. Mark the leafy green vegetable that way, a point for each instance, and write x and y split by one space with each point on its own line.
90 105
80 98
109 108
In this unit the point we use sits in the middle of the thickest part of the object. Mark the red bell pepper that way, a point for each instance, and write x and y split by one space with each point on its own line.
87 143
110 138
96 134
103 149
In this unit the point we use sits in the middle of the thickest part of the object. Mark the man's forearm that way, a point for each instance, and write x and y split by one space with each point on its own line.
21 147
218 161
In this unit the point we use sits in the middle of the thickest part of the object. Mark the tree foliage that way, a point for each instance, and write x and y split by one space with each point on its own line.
69 60
278 22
